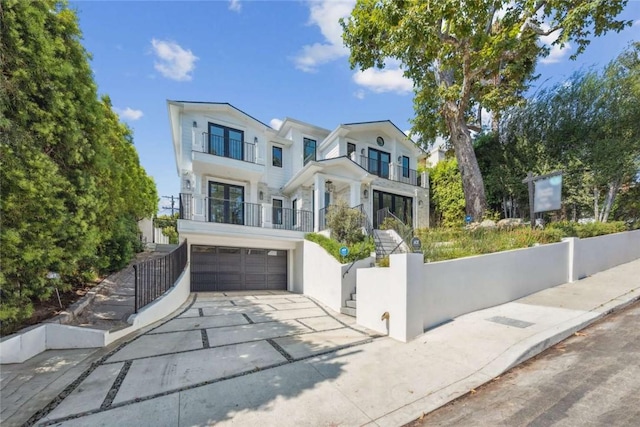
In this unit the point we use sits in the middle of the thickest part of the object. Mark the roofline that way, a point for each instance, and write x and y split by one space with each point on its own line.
220 103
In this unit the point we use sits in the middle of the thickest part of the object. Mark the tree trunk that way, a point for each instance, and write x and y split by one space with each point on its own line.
472 184
596 196
611 196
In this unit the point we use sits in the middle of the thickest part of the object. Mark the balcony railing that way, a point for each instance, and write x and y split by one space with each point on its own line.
391 171
227 147
237 212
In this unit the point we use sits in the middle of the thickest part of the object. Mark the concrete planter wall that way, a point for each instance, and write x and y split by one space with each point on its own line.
419 296
323 276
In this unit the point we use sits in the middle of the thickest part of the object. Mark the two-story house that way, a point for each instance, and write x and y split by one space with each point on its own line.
249 192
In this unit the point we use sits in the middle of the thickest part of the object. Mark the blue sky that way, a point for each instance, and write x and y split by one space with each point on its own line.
272 59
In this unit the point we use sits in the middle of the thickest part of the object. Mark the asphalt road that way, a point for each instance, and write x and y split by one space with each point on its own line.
590 379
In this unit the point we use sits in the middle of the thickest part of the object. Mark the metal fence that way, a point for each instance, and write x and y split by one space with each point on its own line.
155 276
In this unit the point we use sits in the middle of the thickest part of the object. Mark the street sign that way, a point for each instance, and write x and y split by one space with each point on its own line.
547 194
468 219
344 251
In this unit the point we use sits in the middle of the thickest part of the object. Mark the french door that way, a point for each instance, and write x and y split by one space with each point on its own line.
226 203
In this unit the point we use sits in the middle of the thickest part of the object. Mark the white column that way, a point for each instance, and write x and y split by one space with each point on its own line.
355 194
318 185
253 191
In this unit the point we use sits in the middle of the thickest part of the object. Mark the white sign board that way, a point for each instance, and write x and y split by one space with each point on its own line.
547 195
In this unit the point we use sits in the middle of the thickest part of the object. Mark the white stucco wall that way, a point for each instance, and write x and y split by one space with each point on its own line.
600 253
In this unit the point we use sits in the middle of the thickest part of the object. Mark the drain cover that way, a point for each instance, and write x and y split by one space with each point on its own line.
510 322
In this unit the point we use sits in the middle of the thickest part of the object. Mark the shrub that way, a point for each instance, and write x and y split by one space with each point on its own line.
358 250
345 223
593 229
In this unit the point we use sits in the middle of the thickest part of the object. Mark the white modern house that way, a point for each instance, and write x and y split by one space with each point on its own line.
249 192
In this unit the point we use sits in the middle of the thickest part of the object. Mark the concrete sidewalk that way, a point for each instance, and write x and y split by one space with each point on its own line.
376 381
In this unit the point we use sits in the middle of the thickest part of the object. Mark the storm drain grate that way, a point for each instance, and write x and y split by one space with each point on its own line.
510 322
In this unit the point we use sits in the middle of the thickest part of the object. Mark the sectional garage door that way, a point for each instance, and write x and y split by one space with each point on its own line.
216 268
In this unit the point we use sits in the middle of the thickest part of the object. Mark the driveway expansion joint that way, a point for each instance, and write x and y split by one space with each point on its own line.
205 338
281 350
115 387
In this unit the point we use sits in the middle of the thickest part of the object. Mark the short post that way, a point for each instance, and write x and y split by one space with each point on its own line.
531 210
135 287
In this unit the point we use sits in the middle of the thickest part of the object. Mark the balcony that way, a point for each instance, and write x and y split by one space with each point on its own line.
217 145
237 212
390 171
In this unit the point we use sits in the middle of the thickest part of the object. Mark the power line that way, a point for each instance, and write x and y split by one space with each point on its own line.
173 207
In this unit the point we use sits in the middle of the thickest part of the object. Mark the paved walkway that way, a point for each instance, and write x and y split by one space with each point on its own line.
284 360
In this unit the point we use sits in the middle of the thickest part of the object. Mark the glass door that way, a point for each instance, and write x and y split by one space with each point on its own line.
226 203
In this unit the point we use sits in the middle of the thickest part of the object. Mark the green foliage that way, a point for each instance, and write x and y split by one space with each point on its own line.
593 229
446 193
72 184
358 250
168 225
345 223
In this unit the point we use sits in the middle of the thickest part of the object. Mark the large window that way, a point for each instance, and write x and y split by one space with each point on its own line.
400 206
226 142
226 203
276 156
351 148
378 163
309 150
294 208
405 166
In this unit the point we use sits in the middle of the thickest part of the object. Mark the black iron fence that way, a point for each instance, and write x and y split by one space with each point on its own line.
406 175
228 147
290 219
156 276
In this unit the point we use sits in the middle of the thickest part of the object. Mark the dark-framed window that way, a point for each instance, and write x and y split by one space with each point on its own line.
351 148
294 208
276 156
309 150
226 203
405 166
400 206
378 163
226 142
277 211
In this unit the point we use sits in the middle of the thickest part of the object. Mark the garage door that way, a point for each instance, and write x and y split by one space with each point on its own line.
216 268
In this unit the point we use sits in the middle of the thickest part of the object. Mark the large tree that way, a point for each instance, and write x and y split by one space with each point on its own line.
461 55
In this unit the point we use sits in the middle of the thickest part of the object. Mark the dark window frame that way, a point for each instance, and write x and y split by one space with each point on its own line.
274 156
308 142
294 208
405 166
375 165
227 148
277 211
232 212
351 148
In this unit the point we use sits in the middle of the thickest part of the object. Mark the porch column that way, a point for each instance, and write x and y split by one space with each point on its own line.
355 194
253 191
318 199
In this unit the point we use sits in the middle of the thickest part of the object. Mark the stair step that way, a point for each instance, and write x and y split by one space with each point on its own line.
353 297
350 303
348 311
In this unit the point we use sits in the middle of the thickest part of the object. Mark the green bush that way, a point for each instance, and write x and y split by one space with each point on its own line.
593 229
345 223
359 250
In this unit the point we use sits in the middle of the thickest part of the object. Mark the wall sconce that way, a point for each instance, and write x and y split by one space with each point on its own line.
365 194
420 203
261 195
187 184
195 124
329 186
255 139
399 159
362 151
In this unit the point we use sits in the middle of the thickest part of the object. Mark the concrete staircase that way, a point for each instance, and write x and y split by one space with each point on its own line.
350 306
386 242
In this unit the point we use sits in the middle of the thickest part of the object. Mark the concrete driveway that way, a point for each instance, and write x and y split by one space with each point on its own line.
218 337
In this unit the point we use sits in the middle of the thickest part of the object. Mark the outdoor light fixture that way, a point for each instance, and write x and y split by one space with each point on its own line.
329 186
261 195
255 139
365 194
399 159
195 124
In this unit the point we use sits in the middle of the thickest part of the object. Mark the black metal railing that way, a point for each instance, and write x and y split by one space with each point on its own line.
387 220
406 175
365 222
322 218
289 219
227 147
224 211
156 276
375 166
186 208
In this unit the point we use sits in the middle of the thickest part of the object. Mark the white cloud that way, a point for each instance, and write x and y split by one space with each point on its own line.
637 23
129 113
173 62
557 53
275 123
325 14
359 94
386 80
235 5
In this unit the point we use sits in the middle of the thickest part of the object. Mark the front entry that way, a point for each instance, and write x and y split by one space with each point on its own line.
400 206
216 268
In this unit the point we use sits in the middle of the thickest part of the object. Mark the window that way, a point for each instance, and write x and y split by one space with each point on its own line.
378 163
400 206
226 142
294 208
309 150
226 203
405 166
351 148
276 156
277 211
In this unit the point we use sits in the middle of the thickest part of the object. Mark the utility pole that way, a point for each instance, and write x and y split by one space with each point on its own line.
173 207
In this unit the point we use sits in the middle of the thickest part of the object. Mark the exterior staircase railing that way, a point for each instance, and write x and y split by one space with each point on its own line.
388 219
